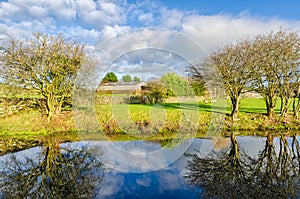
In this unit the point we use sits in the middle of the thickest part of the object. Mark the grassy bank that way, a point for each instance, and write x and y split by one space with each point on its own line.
158 118
169 116
144 122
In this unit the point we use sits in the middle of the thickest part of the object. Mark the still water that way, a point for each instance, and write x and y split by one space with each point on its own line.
235 167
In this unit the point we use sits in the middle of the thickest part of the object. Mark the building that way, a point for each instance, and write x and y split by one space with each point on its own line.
122 87
251 94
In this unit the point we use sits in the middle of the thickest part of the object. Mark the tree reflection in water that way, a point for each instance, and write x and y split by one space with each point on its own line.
232 173
58 173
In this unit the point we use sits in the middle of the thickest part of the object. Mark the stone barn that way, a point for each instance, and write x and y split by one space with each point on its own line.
132 88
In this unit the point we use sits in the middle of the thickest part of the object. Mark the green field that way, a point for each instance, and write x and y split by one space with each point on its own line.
165 117
143 121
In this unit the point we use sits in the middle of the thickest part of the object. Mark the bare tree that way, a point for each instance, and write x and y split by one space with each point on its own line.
232 64
47 63
288 73
275 68
296 103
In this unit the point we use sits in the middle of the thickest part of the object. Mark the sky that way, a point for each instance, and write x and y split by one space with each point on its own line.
210 23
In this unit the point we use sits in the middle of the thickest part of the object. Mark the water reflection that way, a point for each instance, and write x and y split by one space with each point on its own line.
232 173
235 167
55 173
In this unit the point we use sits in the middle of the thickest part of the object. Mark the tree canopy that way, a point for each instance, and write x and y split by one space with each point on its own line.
110 77
126 78
176 85
232 64
47 63
275 69
267 64
136 79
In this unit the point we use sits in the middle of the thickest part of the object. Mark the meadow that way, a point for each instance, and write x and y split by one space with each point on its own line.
123 122
162 118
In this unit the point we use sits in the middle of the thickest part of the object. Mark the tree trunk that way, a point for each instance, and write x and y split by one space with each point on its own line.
50 109
235 102
235 148
270 139
285 104
270 113
281 104
270 108
52 106
296 107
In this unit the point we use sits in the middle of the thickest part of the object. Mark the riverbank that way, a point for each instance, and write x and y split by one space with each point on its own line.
122 122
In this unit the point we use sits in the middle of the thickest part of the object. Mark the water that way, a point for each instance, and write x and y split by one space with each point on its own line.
236 167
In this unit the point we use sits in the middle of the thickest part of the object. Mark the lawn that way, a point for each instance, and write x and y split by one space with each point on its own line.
169 117
256 106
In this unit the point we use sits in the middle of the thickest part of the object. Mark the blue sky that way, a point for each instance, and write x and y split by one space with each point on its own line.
92 20
288 9
212 23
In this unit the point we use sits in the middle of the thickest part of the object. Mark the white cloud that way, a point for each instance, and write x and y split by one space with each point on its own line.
111 185
170 182
217 30
149 63
86 6
171 18
83 34
147 17
143 181
99 13
109 8
95 21
37 11
87 14
62 10
7 10
112 31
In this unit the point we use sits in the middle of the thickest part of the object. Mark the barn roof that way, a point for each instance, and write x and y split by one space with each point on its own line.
122 83
113 86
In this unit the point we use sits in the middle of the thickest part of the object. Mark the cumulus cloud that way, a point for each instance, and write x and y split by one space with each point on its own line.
20 18
112 31
94 22
110 8
171 18
149 63
150 52
217 30
113 17
82 34
147 17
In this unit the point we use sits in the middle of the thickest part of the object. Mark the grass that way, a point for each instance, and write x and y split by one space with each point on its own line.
152 119
9 91
167 117
149 119
123 122
256 106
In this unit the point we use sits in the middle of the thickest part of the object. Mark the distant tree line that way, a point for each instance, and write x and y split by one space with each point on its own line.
173 85
267 64
112 77
169 85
